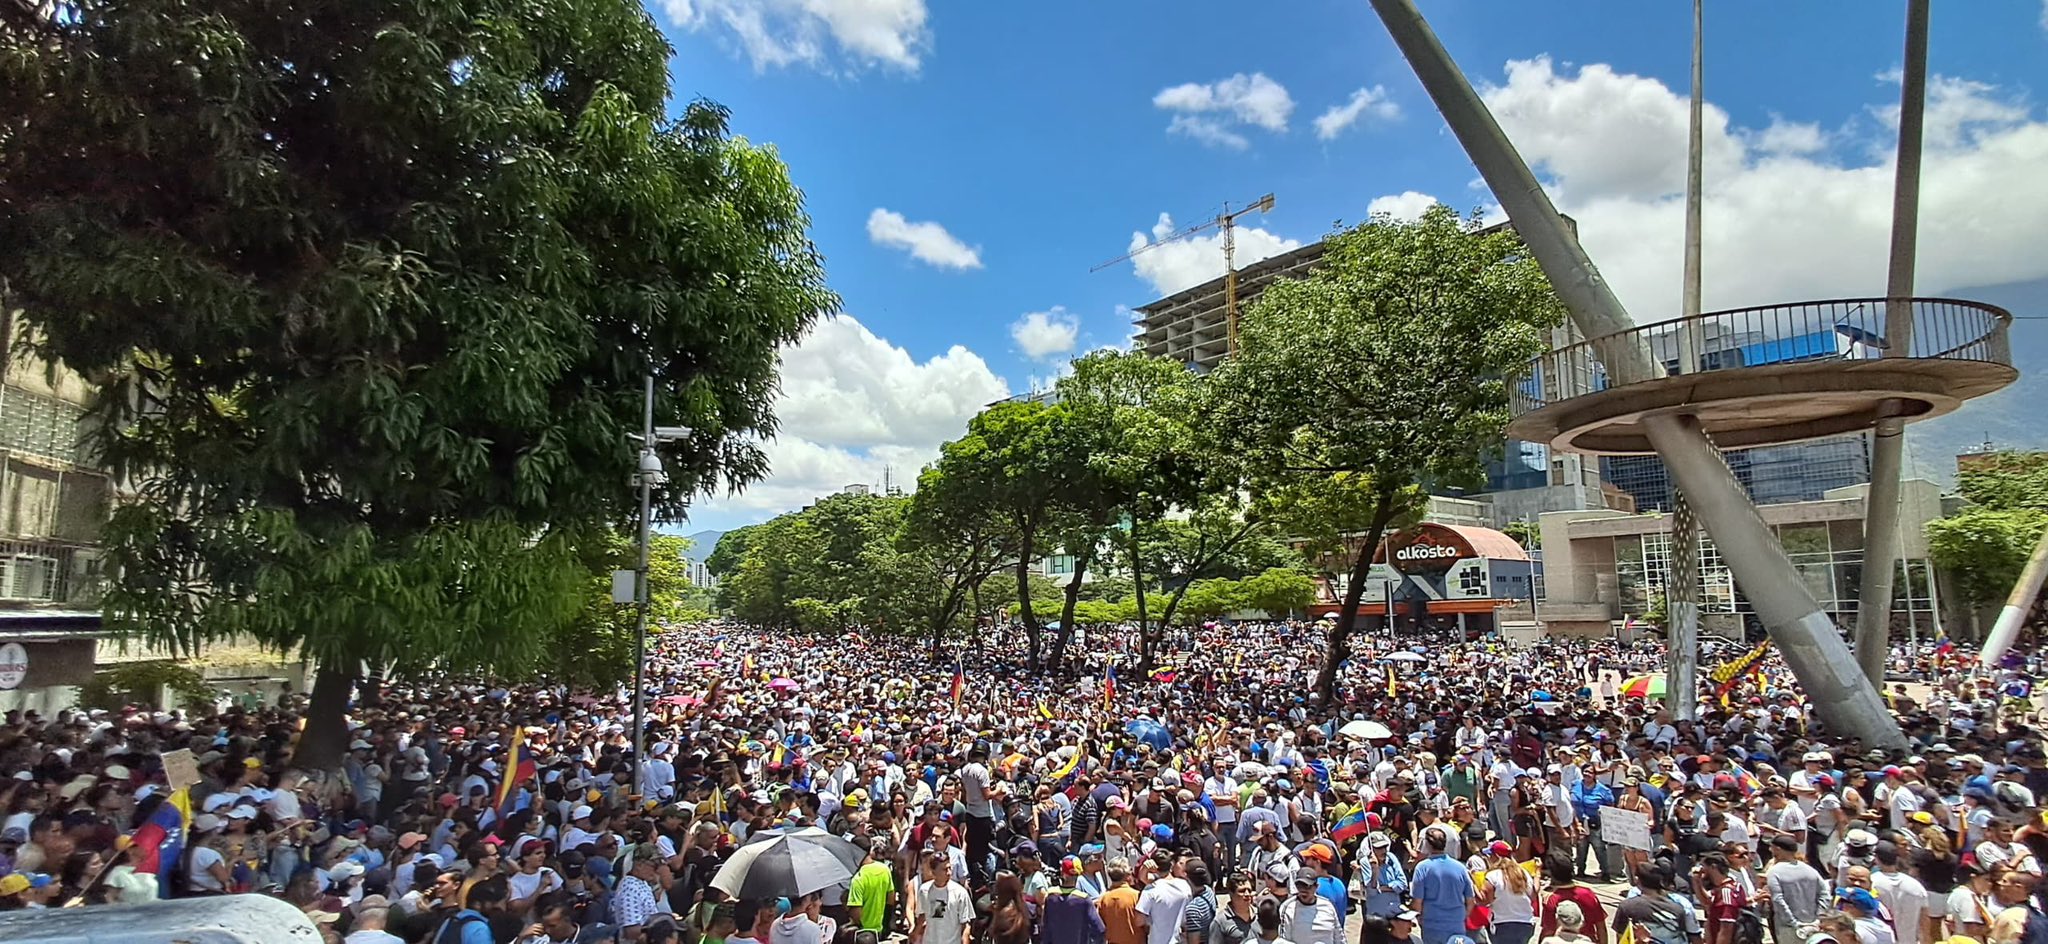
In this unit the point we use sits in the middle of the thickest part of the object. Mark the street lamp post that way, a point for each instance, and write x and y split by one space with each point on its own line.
649 475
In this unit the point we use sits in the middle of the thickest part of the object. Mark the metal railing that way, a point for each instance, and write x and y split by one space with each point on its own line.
1837 329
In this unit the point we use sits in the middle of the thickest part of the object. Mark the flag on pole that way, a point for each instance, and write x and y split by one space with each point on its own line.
1393 687
1350 825
1109 687
747 666
519 768
159 843
1062 777
959 683
1942 644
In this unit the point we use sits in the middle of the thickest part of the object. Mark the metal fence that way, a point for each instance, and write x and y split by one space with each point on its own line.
1837 329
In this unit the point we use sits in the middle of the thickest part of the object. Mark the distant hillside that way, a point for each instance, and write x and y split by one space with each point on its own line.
2010 418
702 544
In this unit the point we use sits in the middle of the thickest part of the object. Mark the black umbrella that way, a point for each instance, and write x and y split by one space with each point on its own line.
787 862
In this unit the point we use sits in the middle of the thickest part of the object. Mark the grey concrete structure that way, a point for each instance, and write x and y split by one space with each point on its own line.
1845 701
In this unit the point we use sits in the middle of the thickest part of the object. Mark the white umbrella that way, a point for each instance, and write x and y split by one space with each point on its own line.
1404 657
1365 730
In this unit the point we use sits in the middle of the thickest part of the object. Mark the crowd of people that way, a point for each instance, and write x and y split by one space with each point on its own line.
1454 792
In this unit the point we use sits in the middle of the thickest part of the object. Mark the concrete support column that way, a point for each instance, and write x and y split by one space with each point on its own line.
1887 449
1847 703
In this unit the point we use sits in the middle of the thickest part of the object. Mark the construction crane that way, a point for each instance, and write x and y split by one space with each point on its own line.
1227 220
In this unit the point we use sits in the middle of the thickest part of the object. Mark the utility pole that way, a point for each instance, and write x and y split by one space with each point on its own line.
640 595
1845 701
1887 445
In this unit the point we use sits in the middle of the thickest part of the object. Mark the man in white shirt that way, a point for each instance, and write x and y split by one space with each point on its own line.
1164 903
1901 893
1308 918
944 908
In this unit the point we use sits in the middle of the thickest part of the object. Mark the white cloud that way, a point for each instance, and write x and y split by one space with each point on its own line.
817 33
1787 137
926 241
1211 112
853 404
1043 334
1781 222
1406 205
1196 259
1370 103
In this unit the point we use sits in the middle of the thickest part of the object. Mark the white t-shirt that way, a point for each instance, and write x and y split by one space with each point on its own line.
1508 907
945 911
1907 899
523 885
1164 903
200 874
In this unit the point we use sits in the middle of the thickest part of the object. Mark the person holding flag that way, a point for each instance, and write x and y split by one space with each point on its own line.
959 684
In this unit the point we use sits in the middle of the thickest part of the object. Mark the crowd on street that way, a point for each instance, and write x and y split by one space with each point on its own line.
1191 791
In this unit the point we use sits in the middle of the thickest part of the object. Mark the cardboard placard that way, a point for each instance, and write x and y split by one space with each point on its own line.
181 769
1627 828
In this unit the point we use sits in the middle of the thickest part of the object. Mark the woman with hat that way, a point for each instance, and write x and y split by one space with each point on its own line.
1511 893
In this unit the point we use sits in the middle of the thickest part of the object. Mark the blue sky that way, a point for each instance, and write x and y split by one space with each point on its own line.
966 163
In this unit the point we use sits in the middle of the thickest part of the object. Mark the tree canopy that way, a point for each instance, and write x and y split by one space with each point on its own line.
1986 544
1384 371
378 282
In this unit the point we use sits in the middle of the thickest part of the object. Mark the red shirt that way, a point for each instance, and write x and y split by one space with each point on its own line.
1589 905
1725 904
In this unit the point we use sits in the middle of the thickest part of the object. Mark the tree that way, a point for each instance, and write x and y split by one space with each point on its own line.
595 650
955 540
1279 591
1526 533
372 288
1017 458
1383 371
1986 545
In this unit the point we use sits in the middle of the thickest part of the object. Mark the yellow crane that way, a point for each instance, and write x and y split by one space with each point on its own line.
1227 221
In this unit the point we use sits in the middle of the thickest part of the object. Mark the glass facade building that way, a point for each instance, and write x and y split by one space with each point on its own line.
1792 472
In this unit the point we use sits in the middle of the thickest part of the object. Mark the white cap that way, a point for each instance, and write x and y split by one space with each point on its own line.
579 812
242 812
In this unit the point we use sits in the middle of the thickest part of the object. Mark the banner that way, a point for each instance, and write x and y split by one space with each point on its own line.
1626 828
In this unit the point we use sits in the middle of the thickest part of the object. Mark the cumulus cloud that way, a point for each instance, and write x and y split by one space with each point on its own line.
1043 334
1406 205
852 405
816 33
1196 259
1213 112
926 241
1371 103
1789 214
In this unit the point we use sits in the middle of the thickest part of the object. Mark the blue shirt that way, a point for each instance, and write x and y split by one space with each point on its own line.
1587 801
1332 889
1444 888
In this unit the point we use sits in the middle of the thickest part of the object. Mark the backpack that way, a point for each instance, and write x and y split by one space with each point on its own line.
1749 926
456 924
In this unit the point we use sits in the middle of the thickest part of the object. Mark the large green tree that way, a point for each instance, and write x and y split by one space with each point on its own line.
1985 545
595 650
375 283
1385 370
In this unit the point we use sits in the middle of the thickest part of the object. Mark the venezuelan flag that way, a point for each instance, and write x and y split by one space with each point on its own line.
1109 687
519 768
1043 711
159 843
1349 826
1065 774
959 683
1165 674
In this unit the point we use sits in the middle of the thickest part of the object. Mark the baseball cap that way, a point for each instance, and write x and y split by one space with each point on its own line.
1499 848
18 882
580 812
1304 877
1862 899
1409 916
1071 865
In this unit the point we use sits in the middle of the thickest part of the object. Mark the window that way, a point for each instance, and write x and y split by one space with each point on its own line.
28 577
